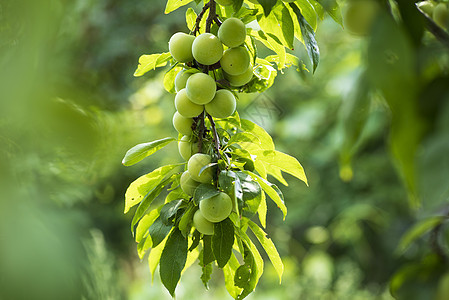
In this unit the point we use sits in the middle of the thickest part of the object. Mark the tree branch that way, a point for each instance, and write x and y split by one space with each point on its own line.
201 131
436 30
200 17
212 14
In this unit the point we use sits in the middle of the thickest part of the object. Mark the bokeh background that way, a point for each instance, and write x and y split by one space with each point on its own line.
371 128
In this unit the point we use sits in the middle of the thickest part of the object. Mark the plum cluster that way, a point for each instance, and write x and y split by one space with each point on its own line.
439 12
207 58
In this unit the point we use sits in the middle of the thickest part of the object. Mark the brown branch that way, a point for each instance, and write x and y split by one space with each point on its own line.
200 17
212 14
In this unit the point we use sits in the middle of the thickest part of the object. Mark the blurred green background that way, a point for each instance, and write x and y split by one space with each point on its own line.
371 128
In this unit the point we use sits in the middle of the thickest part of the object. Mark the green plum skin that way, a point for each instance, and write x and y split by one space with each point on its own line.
202 224
441 15
188 185
186 107
235 61
239 80
232 32
182 124
223 105
207 49
217 208
186 147
181 80
359 15
196 163
201 88
180 47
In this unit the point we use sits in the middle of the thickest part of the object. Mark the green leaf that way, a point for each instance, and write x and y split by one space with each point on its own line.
159 230
186 220
146 202
204 191
283 161
262 211
169 79
308 36
143 247
196 236
169 210
154 257
318 8
139 188
308 12
173 5
222 241
265 139
141 151
229 271
267 5
418 230
246 140
280 24
151 62
206 275
173 259
272 42
237 4
254 260
190 18
332 8
145 223
208 253
272 191
269 247
251 194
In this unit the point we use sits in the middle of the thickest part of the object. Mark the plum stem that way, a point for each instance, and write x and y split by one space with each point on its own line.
212 14
200 17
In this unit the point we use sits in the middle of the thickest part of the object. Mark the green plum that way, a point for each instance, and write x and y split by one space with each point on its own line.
441 15
181 80
202 224
196 163
186 147
359 15
207 49
186 107
232 32
180 47
242 79
182 124
223 105
188 185
201 88
235 61
217 208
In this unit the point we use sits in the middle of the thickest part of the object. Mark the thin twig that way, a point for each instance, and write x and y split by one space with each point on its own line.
436 30
199 18
212 15
201 132
215 134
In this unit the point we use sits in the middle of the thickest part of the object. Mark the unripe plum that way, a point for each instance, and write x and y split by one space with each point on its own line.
427 7
235 61
180 47
202 224
217 208
186 107
224 2
188 185
232 32
182 124
441 15
186 147
242 79
223 105
196 163
207 49
201 88
181 80
359 15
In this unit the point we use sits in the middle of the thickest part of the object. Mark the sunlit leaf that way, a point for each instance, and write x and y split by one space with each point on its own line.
190 18
151 62
222 241
269 247
173 5
145 183
141 151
